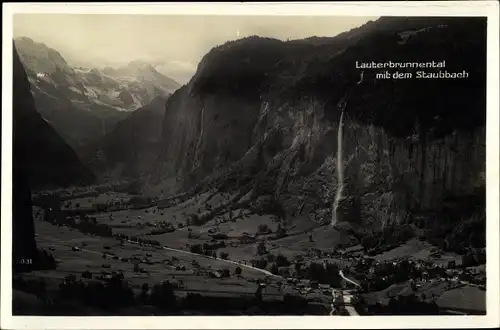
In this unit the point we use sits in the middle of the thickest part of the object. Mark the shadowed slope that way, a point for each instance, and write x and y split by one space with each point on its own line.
40 158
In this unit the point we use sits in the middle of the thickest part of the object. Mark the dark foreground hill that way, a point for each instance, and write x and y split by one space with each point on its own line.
260 117
38 150
40 159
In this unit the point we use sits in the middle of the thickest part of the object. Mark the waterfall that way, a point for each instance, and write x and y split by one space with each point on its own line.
200 138
340 171
340 156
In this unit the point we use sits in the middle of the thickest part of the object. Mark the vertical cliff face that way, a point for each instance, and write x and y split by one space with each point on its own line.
410 146
203 134
209 123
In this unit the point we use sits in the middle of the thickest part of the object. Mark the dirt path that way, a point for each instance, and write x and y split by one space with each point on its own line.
347 296
348 304
341 273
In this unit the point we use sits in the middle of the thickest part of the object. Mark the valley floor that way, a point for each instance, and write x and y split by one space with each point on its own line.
230 279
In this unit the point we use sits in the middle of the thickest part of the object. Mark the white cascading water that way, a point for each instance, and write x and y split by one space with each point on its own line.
201 136
340 171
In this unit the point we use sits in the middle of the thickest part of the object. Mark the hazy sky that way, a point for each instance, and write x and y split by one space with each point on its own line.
180 41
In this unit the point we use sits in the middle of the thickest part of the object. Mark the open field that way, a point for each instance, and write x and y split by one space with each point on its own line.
98 255
90 258
419 250
172 261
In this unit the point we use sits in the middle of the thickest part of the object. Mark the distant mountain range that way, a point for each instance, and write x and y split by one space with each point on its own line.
84 104
179 70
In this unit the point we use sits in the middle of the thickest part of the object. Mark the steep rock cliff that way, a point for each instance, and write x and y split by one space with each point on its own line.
261 116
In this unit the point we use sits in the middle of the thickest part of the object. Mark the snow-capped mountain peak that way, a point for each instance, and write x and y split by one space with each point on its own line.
125 88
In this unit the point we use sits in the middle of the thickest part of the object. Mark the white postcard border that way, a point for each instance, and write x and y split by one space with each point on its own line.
488 9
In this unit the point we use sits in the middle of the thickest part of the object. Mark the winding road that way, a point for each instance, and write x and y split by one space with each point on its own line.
217 258
347 296
341 273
